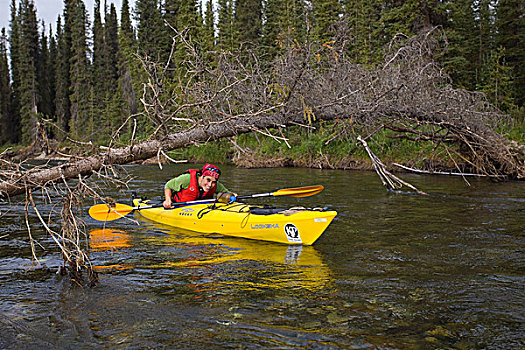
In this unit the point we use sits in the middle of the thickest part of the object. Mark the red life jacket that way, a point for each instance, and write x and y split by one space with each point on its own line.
192 192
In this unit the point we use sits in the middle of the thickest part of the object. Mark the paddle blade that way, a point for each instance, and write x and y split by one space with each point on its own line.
299 191
103 212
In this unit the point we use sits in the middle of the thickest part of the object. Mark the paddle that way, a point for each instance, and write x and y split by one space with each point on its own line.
105 212
305 191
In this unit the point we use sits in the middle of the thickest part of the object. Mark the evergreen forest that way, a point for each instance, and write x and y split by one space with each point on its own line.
86 80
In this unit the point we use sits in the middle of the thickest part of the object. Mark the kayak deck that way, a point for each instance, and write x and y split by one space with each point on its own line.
289 226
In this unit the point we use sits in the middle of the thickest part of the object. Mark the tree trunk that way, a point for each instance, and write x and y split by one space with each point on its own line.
140 151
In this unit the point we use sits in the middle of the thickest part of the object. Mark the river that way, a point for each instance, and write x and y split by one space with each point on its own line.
392 271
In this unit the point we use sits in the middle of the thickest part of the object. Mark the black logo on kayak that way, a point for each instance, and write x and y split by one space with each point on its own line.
292 233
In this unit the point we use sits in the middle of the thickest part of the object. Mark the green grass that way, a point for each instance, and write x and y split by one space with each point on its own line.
11 147
335 141
330 141
211 152
514 129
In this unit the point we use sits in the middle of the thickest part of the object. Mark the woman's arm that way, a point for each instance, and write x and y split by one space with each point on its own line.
167 198
175 184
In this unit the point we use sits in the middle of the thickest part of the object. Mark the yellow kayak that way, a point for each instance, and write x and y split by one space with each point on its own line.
289 226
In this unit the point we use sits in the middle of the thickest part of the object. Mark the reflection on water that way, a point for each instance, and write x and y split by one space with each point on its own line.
298 267
286 266
444 271
108 239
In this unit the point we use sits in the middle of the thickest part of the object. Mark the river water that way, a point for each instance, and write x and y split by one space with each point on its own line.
392 271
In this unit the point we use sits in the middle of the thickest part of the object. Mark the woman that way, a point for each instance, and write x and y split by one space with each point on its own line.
195 184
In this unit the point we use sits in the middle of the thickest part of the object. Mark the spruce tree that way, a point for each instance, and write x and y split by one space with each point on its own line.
483 62
183 16
283 20
126 33
226 38
50 69
293 19
497 80
81 122
172 10
299 20
128 65
510 27
152 39
399 17
208 34
5 91
29 50
459 62
62 67
411 17
362 18
112 48
113 94
98 74
325 14
14 124
272 30
248 21
46 74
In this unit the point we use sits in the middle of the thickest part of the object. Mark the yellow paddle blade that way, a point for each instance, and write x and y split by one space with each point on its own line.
104 212
299 191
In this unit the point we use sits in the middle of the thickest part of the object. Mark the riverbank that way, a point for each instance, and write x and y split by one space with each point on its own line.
325 148
327 145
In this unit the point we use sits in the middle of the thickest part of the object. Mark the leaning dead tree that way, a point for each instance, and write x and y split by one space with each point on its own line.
409 95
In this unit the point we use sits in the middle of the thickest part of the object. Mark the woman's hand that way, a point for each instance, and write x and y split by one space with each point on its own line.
167 201
226 197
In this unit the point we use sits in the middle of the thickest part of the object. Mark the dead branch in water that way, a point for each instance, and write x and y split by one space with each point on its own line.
389 180
419 171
